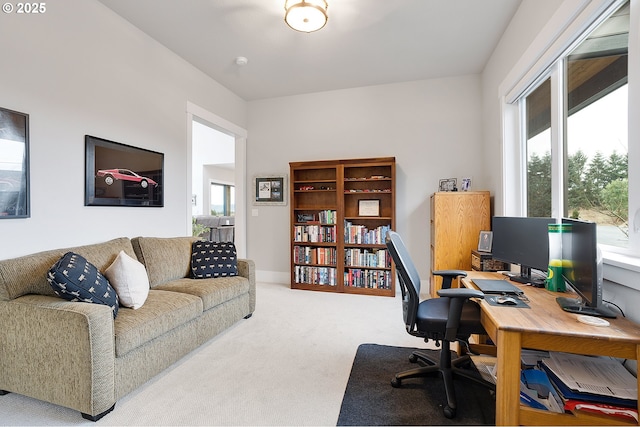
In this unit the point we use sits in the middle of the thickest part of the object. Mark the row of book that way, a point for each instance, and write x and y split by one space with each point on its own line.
374 279
315 233
315 275
367 258
327 216
360 234
577 383
309 255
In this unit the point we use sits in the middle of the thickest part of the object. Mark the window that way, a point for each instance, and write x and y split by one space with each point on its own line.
223 200
585 173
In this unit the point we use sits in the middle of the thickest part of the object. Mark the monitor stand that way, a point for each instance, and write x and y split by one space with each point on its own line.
526 278
573 305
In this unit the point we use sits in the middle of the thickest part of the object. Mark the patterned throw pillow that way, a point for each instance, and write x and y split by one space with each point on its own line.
213 259
74 278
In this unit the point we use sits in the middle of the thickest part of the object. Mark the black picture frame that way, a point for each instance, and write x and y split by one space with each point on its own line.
270 190
122 175
14 164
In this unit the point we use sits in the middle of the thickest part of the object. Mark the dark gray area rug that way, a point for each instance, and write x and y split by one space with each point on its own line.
369 398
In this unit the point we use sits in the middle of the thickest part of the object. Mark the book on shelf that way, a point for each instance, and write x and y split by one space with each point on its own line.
356 257
309 255
315 233
360 234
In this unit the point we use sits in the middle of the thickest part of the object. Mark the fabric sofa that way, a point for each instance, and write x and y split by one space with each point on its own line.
75 354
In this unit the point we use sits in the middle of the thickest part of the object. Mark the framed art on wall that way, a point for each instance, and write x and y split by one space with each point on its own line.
121 175
270 190
14 164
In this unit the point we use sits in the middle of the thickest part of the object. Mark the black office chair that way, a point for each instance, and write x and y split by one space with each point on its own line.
452 317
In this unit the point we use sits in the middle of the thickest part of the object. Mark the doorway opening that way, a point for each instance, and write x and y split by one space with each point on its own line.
217 208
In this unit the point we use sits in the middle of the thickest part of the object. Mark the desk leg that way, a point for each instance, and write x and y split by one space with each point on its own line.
638 376
508 378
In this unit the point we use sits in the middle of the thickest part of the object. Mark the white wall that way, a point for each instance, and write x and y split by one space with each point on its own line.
80 69
432 127
532 15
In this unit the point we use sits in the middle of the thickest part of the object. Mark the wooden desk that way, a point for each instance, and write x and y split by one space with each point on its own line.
545 326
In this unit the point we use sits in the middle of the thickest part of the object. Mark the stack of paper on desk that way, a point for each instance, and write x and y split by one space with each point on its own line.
600 379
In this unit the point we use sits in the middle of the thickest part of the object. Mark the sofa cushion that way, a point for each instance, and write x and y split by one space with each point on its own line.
165 258
212 291
162 312
213 259
129 279
74 278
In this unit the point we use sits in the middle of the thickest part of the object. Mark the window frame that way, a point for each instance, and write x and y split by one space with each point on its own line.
226 189
547 57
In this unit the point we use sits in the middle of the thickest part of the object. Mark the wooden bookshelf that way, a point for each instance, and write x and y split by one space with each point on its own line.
340 212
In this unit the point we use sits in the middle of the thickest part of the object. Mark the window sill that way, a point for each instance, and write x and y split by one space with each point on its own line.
622 269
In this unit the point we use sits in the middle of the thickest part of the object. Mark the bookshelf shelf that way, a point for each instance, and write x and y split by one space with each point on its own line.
359 195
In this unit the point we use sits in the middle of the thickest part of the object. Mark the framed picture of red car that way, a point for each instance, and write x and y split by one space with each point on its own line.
121 175
14 164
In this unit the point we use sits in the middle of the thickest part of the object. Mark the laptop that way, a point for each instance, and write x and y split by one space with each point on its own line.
496 286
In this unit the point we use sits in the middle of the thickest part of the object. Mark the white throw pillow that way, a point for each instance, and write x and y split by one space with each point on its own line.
129 278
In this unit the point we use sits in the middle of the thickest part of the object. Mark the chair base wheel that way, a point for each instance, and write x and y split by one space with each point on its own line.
395 383
449 412
413 358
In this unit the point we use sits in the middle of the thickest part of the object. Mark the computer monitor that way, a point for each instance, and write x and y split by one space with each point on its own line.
582 268
523 241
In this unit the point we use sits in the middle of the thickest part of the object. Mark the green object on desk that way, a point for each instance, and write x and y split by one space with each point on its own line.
555 281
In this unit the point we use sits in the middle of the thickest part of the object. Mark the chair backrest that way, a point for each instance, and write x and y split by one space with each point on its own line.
408 278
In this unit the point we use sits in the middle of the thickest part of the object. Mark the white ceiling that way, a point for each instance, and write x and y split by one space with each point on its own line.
365 42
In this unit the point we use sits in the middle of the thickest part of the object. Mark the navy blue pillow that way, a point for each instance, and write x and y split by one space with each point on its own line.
213 259
74 278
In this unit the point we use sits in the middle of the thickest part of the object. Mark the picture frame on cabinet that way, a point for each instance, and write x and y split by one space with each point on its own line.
270 190
466 184
122 175
485 241
14 164
449 184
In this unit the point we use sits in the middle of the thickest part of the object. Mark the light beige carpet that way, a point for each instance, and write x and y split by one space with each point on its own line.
287 365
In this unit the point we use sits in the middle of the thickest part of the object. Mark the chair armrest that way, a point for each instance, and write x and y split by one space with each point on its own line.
458 297
448 276
460 293
453 273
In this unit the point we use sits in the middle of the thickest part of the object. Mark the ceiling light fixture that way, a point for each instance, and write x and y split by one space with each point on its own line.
306 16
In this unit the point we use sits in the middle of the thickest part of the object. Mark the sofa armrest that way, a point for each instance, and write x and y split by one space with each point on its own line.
247 268
58 351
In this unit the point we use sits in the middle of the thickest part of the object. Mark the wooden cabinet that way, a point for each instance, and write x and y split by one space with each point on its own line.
340 213
456 221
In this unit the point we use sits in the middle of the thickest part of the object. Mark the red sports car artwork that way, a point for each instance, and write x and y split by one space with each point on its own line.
112 175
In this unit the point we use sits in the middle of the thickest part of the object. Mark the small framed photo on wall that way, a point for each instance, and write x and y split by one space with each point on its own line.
270 190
